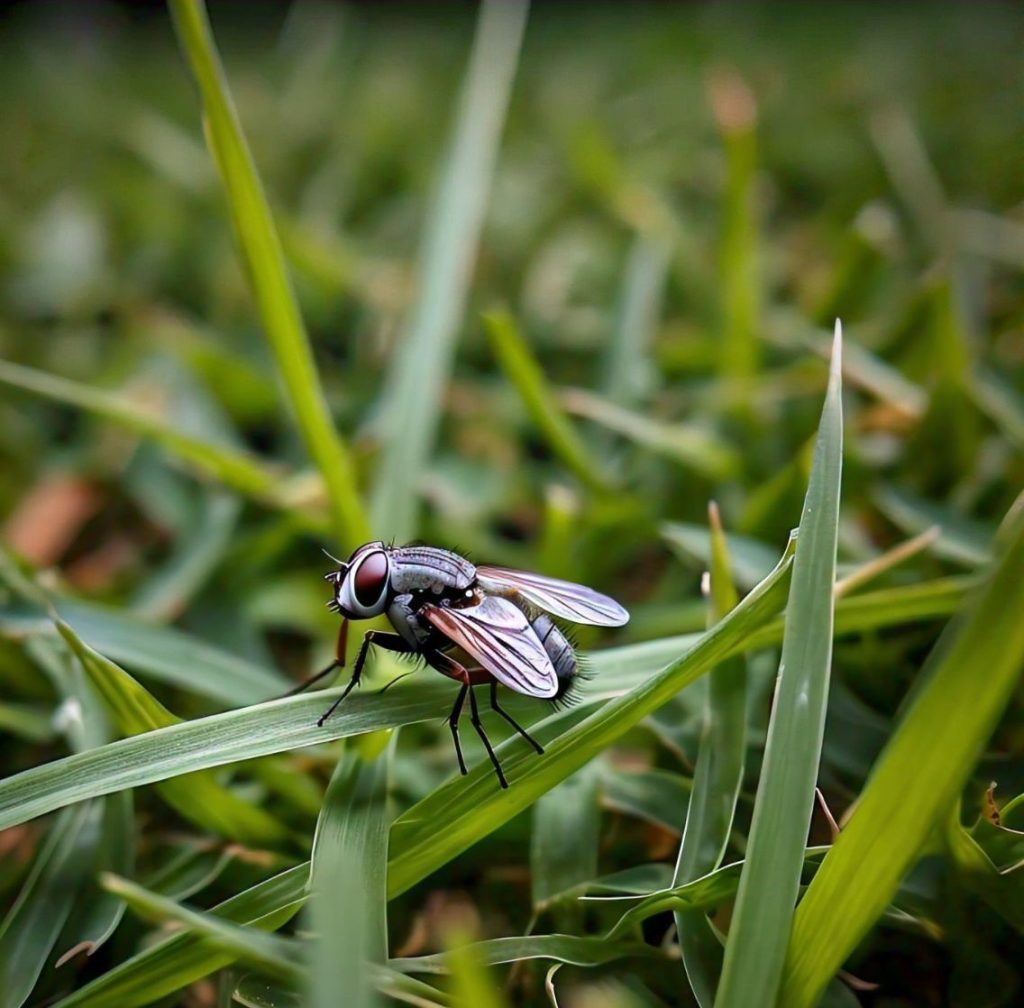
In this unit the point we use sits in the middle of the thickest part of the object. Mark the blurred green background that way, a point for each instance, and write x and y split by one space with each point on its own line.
682 201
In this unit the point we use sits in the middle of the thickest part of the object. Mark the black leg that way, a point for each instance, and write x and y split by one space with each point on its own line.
512 721
453 723
388 641
478 725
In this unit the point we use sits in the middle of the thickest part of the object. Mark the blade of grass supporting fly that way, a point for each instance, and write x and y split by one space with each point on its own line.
717 777
348 882
421 364
268 275
756 945
919 776
525 373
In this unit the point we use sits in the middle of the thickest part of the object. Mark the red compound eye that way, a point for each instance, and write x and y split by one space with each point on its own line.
370 579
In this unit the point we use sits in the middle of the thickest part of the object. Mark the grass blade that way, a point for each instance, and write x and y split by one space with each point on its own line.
522 369
268 275
717 778
973 671
348 882
767 894
422 363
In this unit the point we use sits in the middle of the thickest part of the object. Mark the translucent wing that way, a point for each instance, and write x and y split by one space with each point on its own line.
572 602
497 634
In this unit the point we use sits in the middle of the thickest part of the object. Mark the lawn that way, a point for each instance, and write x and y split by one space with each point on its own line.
717 310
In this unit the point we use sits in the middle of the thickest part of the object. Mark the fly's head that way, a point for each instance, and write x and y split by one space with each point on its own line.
362 584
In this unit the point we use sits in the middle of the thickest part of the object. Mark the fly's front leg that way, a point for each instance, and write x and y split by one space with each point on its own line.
388 641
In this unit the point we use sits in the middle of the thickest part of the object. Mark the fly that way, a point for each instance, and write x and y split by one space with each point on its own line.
477 625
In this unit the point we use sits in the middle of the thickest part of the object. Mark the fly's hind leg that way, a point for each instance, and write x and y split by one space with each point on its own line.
455 670
388 641
512 721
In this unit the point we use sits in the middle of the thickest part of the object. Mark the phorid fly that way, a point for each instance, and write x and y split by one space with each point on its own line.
476 625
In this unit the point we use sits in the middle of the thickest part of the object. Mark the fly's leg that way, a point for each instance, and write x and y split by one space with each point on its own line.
388 641
512 721
453 723
478 725
339 662
450 667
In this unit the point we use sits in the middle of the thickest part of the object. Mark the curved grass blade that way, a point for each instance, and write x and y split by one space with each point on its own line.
972 672
348 882
184 957
198 798
421 365
756 946
570 949
472 985
261 250
717 778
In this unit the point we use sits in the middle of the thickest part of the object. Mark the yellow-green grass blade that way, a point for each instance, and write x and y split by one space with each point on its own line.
471 807
282 725
523 370
423 360
972 672
198 797
717 778
348 882
268 275
758 932
234 468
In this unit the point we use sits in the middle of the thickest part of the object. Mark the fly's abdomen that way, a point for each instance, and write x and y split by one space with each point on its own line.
559 650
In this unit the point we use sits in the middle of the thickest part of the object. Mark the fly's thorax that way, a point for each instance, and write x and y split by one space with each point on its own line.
430 570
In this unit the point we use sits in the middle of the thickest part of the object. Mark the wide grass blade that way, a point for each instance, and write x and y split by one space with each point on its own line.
422 363
756 946
918 777
268 275
348 882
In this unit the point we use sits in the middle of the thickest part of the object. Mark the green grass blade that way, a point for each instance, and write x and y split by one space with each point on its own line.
198 797
268 275
422 363
348 882
54 882
768 889
522 369
462 811
717 778
234 468
472 985
972 672
175 962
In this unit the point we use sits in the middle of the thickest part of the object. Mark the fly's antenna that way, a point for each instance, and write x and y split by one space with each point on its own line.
331 556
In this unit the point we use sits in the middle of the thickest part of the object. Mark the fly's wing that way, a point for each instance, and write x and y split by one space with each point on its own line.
572 602
496 633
